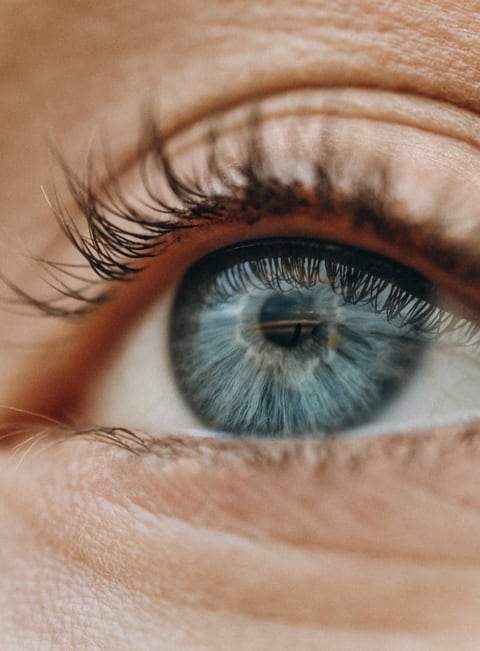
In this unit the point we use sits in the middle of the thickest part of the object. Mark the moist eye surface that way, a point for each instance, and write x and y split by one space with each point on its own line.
293 337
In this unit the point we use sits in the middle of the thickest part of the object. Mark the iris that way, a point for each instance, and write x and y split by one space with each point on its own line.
295 337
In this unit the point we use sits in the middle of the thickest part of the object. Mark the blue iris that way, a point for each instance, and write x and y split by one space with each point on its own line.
295 337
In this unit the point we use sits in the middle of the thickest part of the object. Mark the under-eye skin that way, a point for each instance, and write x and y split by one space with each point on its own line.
361 323
300 337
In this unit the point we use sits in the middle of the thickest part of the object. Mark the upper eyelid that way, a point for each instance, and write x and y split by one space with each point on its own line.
421 111
146 244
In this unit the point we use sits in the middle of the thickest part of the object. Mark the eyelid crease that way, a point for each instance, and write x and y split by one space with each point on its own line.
116 252
452 120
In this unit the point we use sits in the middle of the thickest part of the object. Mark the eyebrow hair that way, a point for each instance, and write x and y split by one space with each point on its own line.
121 239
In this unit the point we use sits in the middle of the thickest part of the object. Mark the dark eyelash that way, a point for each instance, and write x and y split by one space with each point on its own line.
405 297
116 253
121 237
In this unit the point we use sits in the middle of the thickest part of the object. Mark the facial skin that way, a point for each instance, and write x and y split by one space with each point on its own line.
358 543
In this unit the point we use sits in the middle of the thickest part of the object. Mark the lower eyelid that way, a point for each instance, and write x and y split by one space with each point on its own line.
179 527
306 494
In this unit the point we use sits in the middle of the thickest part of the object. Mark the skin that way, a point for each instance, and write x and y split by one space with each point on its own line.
360 543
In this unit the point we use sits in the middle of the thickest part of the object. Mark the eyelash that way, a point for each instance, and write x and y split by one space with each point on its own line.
117 253
403 296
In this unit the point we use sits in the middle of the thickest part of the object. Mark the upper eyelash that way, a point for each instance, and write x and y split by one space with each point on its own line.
118 252
405 297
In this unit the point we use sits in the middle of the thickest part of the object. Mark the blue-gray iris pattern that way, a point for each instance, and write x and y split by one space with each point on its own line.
295 337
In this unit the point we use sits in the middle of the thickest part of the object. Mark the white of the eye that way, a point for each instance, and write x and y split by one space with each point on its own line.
445 388
137 389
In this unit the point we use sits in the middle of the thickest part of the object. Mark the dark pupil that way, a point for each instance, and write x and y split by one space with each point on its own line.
288 320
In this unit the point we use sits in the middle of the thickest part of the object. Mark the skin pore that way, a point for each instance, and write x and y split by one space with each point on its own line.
355 543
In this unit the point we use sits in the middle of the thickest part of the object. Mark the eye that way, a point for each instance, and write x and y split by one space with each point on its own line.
294 337
301 314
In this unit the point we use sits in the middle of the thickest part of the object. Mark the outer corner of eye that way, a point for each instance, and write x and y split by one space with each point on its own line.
285 338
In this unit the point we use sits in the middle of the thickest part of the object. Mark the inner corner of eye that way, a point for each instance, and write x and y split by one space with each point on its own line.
294 337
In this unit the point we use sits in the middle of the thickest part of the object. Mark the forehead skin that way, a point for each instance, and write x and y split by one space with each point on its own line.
65 68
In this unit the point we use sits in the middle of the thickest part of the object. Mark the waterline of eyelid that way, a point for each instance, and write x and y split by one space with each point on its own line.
370 430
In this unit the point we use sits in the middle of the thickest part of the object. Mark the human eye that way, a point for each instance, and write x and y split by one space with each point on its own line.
303 337
323 157
307 225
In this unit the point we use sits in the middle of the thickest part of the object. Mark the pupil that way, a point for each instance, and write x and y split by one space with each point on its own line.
288 320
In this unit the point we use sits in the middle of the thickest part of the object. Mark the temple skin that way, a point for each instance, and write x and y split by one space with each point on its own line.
368 543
